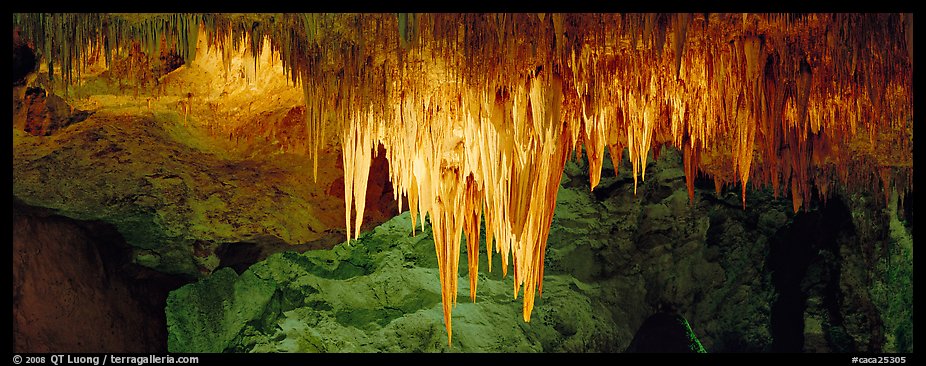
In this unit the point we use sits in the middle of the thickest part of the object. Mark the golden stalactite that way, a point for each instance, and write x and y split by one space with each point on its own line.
472 211
690 166
477 113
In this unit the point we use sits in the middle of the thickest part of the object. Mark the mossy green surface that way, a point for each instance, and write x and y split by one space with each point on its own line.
215 310
898 284
695 344
381 292
365 296
613 258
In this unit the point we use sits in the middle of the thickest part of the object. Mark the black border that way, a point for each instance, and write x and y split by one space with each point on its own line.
482 359
567 6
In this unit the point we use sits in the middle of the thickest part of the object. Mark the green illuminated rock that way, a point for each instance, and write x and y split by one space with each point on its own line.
614 259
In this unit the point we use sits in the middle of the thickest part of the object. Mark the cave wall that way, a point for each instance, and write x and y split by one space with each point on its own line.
176 197
759 279
652 249
874 278
836 277
74 290
615 258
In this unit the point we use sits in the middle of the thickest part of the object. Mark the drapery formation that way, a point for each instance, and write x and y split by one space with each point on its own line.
478 113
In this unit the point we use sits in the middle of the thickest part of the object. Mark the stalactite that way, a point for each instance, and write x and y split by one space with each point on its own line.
679 40
690 164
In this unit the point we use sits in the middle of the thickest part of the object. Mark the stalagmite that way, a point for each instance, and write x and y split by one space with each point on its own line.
477 113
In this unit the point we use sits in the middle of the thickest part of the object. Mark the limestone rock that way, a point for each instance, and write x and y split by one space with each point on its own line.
73 290
47 113
176 195
376 294
603 278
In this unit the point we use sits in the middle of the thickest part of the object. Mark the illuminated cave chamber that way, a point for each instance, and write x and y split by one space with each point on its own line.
478 113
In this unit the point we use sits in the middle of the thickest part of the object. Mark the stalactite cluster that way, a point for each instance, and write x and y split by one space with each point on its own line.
69 40
478 113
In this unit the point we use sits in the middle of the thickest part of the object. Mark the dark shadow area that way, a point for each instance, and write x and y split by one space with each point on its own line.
75 288
799 266
665 332
24 63
238 256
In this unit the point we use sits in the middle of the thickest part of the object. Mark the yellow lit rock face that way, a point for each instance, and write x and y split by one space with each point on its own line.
478 113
